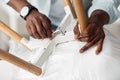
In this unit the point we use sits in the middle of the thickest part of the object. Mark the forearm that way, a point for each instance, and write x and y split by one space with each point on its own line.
18 4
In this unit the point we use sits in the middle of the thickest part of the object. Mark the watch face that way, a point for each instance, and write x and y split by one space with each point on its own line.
24 11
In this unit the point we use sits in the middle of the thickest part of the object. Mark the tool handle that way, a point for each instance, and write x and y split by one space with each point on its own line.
81 15
19 62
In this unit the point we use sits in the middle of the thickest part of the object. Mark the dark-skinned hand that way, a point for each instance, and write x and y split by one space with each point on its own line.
38 25
94 33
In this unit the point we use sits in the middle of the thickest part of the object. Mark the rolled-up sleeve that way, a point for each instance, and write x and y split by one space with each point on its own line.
4 1
109 6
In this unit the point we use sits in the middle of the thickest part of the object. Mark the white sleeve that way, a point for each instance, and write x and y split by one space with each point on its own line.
109 6
4 1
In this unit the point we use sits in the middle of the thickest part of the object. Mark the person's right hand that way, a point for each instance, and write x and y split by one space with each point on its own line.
38 25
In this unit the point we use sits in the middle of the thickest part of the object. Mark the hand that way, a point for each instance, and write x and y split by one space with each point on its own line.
94 33
38 25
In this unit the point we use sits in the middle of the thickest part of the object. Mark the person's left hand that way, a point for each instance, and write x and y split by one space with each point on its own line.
94 33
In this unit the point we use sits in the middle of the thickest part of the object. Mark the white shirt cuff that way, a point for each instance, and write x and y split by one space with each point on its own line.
108 6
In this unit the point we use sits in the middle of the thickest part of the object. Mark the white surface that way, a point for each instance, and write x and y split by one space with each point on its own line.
66 63
7 71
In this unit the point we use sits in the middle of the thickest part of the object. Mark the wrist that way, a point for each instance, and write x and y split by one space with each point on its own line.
26 10
31 14
99 17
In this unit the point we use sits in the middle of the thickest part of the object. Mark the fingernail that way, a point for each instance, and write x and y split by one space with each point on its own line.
75 36
81 51
50 38
97 52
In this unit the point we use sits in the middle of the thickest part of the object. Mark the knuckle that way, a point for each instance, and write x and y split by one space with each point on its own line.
31 34
36 20
43 17
39 30
47 28
34 32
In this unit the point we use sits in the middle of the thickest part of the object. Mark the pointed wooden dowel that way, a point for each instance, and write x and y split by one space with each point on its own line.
20 63
68 3
81 15
12 34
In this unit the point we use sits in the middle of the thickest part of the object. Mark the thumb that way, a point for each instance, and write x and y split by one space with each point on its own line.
76 31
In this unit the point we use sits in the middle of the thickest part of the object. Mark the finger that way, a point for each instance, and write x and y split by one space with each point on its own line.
29 31
40 29
91 29
47 25
83 39
34 31
92 37
76 31
94 34
49 34
99 46
88 45
48 28
76 28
